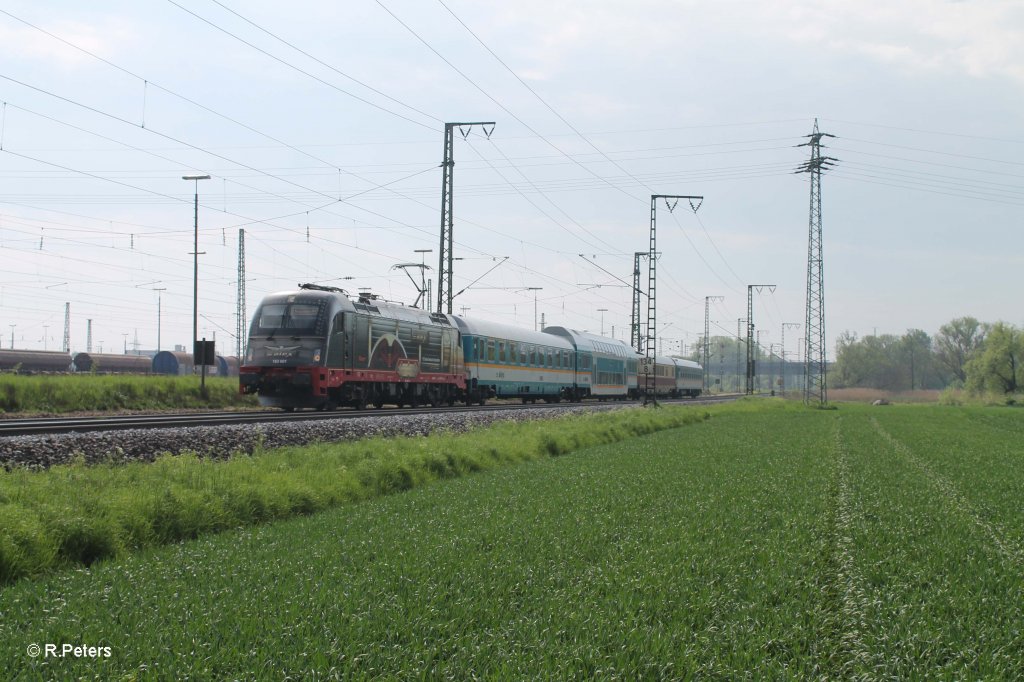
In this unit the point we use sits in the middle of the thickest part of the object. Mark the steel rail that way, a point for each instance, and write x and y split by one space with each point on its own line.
42 426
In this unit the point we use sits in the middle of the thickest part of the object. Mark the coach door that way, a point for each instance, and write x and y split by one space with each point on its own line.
337 352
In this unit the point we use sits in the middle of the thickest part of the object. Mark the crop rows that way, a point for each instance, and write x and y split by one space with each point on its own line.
944 597
766 543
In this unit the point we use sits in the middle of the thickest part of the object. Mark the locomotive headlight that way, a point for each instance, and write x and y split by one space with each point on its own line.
316 355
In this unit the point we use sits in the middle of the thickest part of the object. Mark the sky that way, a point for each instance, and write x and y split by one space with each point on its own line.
322 124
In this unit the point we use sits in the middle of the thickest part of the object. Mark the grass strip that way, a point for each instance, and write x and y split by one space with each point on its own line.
78 514
688 553
92 392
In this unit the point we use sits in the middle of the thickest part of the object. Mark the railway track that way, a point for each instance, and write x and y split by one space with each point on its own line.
54 425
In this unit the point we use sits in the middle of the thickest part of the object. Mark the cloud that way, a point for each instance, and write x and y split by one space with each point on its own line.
980 38
21 42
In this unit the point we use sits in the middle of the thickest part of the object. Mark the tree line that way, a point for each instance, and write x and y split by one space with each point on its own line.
965 353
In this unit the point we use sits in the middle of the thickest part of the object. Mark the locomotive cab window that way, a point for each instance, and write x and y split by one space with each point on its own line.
294 319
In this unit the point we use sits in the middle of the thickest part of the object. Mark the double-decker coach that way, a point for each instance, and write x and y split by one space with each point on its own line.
605 368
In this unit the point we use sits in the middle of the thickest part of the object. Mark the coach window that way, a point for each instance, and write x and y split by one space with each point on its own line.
501 351
490 350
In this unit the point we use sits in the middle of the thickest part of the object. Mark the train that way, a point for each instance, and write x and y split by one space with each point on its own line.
55 362
316 347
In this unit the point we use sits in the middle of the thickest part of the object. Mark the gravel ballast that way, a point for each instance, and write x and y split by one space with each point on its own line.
40 452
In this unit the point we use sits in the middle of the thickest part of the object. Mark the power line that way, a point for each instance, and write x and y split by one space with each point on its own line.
570 125
929 132
325 64
302 71
502 106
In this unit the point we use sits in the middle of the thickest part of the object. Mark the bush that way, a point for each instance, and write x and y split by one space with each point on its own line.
951 396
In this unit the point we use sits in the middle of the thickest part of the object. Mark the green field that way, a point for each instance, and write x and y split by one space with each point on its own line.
770 542
60 393
78 514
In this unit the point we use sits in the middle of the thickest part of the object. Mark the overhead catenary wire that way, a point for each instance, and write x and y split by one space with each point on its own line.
574 129
302 71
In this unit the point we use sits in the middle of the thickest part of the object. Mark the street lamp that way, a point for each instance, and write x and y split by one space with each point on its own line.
159 304
195 259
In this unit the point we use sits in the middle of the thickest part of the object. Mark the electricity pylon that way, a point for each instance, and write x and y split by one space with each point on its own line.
815 390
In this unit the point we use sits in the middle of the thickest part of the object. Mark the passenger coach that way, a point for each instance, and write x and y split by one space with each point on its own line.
503 361
605 368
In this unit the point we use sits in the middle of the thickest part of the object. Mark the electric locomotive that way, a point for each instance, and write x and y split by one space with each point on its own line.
317 348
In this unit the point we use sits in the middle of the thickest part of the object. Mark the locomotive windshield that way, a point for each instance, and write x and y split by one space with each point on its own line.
290 318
